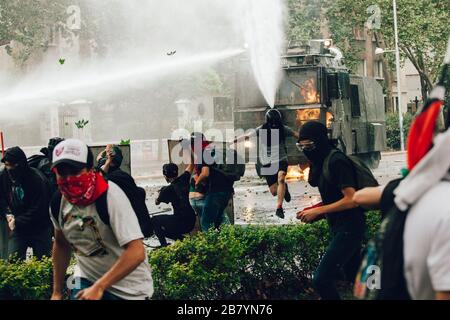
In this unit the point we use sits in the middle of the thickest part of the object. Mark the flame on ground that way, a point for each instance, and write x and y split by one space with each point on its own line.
295 173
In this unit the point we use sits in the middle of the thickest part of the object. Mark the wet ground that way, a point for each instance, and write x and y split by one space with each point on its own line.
253 203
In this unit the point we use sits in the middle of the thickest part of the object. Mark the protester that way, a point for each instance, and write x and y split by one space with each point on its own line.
182 221
197 194
345 219
110 159
111 258
25 201
4 229
43 161
219 187
273 156
412 246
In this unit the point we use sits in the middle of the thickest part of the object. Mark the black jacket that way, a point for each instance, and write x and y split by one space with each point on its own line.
31 207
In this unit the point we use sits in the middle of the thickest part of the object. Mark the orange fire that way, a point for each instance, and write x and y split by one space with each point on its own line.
312 114
295 173
309 92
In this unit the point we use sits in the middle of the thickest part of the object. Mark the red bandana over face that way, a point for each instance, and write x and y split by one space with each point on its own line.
84 189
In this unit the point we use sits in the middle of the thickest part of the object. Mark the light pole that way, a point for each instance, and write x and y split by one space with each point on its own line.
397 67
399 90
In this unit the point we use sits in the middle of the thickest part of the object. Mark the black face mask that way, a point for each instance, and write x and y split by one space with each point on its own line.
15 174
318 155
316 132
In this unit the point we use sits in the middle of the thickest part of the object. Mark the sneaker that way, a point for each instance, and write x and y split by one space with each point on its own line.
280 213
287 195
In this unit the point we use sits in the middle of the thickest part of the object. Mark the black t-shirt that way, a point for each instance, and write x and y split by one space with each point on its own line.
342 176
177 193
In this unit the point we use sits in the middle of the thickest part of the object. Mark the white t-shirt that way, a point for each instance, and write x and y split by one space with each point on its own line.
427 244
98 246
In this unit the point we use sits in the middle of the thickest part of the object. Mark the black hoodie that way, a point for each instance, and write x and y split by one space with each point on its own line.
25 192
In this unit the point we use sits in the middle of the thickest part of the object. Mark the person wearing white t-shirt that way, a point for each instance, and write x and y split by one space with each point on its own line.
111 258
427 245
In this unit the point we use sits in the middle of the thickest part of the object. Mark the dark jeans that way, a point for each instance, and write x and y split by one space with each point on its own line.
172 227
84 284
213 211
343 254
40 242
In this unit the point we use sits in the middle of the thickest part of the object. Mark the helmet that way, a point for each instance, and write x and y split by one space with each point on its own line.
273 118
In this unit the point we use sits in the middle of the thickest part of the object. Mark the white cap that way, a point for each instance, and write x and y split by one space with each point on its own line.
71 151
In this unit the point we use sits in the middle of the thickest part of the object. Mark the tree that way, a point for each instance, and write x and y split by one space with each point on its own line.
28 23
422 24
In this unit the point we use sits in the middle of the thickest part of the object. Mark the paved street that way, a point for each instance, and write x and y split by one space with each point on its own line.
255 205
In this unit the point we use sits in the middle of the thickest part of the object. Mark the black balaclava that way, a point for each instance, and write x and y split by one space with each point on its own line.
16 155
316 132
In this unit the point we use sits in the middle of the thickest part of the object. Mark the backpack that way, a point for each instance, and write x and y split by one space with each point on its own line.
135 194
385 252
230 164
43 165
36 161
364 176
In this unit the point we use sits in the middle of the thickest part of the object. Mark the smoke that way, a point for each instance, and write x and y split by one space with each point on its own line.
128 47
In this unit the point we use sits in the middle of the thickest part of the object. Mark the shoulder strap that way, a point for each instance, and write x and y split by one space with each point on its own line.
55 205
101 204
326 166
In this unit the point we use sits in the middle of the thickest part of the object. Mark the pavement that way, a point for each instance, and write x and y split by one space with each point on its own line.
253 203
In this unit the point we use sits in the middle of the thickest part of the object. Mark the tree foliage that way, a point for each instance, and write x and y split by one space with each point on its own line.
422 25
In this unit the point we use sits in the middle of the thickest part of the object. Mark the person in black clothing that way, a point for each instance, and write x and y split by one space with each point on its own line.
110 159
345 219
219 188
25 194
43 162
177 193
273 156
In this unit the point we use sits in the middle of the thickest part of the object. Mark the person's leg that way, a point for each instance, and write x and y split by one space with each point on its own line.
222 217
340 250
82 284
197 205
42 244
159 229
281 188
4 238
272 183
176 227
352 265
17 247
215 204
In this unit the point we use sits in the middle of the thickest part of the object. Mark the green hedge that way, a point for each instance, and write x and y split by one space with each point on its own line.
253 262
30 280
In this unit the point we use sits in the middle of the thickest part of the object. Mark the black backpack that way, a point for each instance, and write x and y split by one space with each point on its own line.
135 194
43 165
386 252
229 163
364 176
